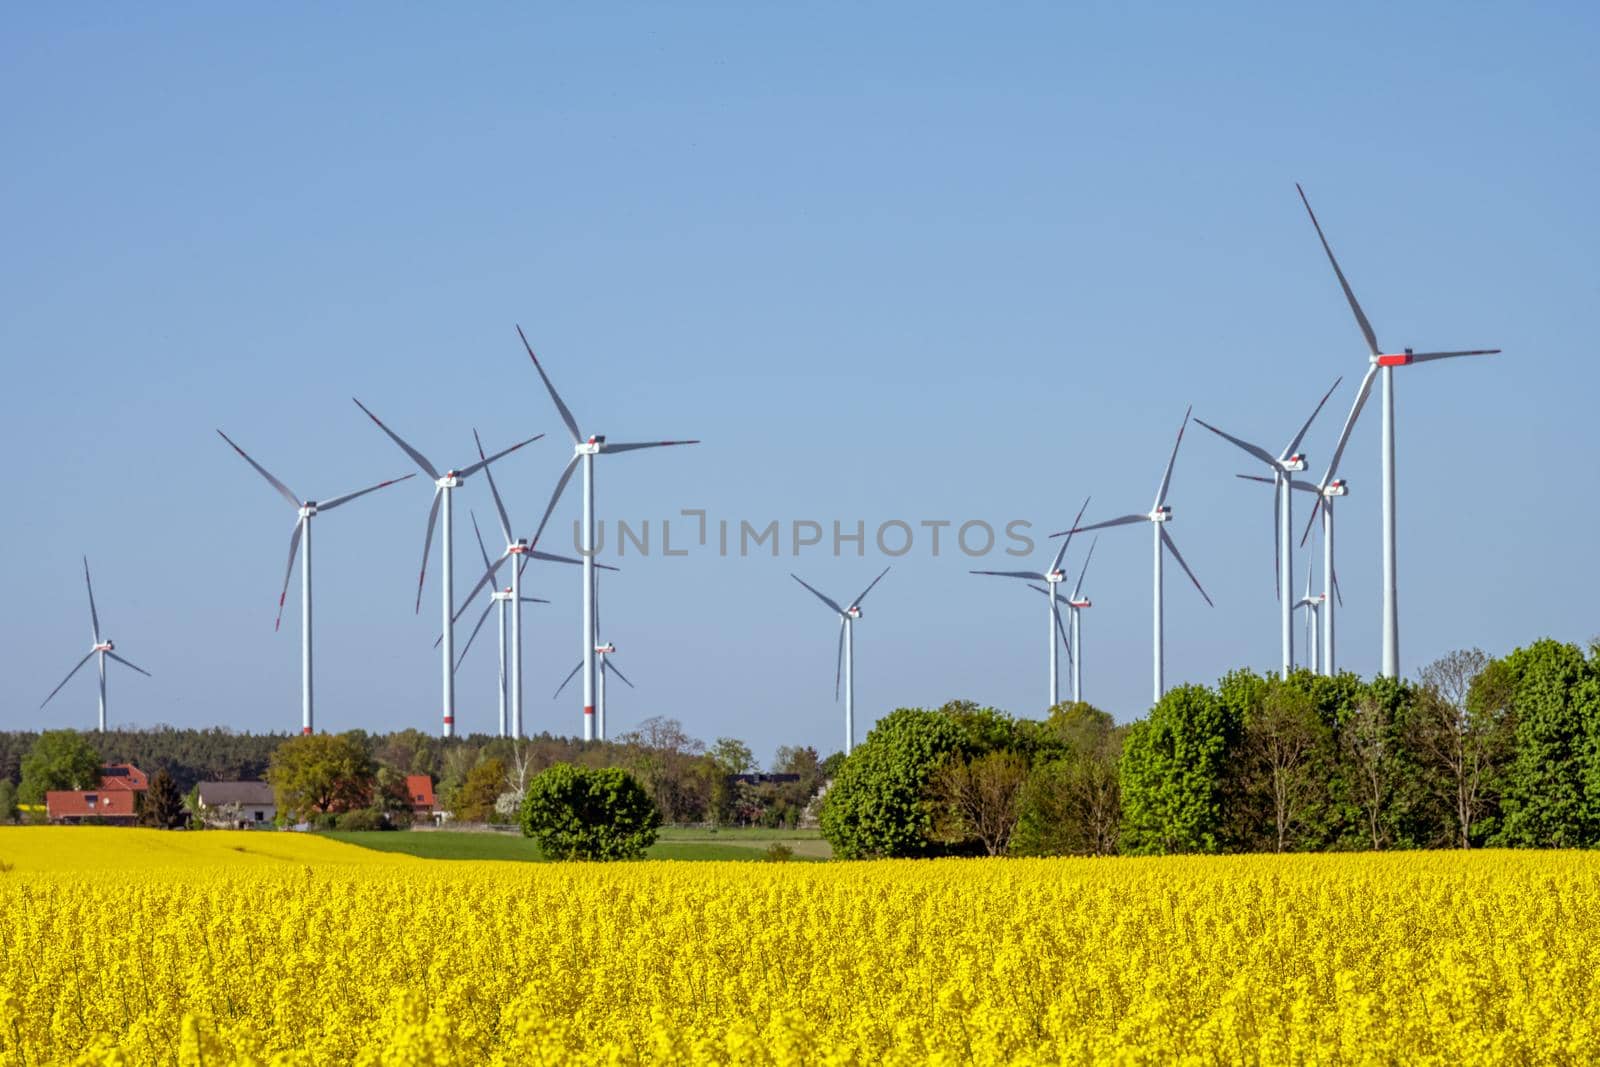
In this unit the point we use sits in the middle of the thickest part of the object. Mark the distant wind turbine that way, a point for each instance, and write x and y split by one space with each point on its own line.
498 599
1159 515
1379 361
1284 467
105 647
847 653
444 486
585 449
602 651
307 509
1075 604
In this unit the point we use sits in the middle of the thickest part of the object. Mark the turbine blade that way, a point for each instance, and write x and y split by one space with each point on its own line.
125 663
1355 306
635 446
483 551
1166 539
416 457
499 505
1061 553
567 679
1315 507
483 581
1302 486
838 662
427 545
1337 592
1122 521
279 486
1166 479
484 461
1079 587
551 557
336 501
68 678
826 600
561 484
1294 446
608 665
1256 478
1046 592
1349 423
288 572
94 616
1428 357
561 408
472 636
533 600
1013 574
857 601
1255 450
1062 630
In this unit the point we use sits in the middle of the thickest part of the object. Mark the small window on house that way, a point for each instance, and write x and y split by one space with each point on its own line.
90 799
259 816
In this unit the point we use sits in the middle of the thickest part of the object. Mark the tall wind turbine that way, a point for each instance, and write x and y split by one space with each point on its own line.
523 551
847 653
1073 636
444 486
1159 515
1327 490
498 599
105 647
1052 577
1380 361
602 651
585 449
1284 467
307 510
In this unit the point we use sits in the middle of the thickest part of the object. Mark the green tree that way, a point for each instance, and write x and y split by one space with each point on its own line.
1462 731
1173 768
1072 801
579 813
320 773
878 804
475 800
162 807
1283 761
59 759
979 799
1546 799
8 801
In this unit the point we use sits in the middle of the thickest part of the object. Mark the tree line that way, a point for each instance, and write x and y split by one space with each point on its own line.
1476 752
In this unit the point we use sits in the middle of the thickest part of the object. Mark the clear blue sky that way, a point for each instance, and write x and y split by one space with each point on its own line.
887 261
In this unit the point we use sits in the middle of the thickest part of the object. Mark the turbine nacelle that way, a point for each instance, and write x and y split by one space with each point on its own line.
308 509
604 650
518 549
1392 359
1056 577
1336 488
853 611
592 447
1162 514
1081 604
451 480
1296 462
500 594
104 646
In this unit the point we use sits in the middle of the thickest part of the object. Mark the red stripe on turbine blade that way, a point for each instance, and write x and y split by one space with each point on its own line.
1398 359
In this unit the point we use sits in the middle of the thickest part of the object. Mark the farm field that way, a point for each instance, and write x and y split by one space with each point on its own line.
322 952
673 844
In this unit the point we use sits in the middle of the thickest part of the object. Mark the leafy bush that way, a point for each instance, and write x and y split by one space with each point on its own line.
579 813
878 805
778 852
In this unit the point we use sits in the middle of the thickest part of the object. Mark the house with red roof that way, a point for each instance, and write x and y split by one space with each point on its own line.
115 800
419 789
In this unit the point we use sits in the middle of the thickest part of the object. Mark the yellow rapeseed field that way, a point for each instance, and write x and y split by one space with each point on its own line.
122 947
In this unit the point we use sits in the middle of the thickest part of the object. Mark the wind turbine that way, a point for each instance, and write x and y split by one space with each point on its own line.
444 486
1313 609
498 598
307 510
1379 361
601 651
585 449
523 551
1284 467
1076 603
105 647
1052 577
1159 515
1327 490
847 653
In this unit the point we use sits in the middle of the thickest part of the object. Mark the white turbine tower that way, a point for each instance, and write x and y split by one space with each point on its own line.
1052 577
523 551
585 449
1076 603
1159 515
498 599
846 662
307 509
105 647
1312 604
444 486
1380 361
602 651
1284 467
